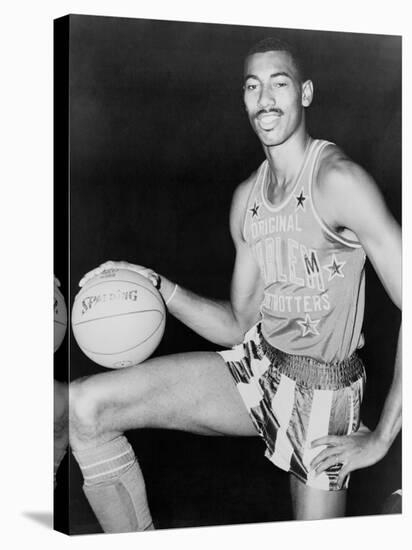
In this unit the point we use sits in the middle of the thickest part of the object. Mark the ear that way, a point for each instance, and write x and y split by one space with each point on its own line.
307 93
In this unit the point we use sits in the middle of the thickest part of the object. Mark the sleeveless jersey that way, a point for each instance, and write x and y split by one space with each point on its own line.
314 278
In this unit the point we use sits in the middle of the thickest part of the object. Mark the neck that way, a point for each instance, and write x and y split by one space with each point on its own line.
286 159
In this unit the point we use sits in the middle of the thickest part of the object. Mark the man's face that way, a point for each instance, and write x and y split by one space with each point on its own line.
274 96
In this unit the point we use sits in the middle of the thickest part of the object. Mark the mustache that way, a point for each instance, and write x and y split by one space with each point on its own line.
268 111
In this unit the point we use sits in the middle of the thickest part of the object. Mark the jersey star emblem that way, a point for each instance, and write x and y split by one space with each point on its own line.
335 268
255 209
300 200
309 326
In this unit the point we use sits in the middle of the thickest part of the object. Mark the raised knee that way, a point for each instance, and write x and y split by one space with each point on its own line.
85 402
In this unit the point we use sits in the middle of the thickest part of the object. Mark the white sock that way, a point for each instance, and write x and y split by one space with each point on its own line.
114 486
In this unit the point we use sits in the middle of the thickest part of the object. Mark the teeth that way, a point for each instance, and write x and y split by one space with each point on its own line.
267 121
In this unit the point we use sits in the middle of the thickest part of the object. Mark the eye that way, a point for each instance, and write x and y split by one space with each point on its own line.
280 84
250 87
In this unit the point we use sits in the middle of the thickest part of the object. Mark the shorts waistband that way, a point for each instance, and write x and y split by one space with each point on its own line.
310 372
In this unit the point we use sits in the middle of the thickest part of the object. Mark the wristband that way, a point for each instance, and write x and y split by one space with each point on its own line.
172 295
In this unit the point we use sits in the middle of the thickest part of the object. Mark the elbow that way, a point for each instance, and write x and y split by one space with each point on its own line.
237 325
237 333
230 339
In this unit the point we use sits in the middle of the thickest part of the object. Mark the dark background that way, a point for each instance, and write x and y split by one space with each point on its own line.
158 142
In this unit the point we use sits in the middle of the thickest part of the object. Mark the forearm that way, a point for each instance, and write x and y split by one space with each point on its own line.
390 421
212 319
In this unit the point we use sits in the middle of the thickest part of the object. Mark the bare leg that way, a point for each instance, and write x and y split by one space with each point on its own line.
310 503
191 392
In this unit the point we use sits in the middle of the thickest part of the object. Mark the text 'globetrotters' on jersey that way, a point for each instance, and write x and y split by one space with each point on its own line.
314 278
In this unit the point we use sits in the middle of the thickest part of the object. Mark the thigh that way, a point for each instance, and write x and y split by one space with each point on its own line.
311 503
191 391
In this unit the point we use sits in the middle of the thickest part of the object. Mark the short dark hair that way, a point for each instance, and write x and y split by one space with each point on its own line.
274 44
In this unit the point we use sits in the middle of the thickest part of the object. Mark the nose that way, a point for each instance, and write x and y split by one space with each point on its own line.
267 97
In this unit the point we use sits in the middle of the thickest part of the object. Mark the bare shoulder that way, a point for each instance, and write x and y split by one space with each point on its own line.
239 204
339 174
343 189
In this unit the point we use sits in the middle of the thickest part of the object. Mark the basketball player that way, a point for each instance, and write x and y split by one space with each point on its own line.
301 226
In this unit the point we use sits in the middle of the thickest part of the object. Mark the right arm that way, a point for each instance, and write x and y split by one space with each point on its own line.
224 322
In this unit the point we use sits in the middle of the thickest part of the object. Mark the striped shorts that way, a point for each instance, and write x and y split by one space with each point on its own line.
293 400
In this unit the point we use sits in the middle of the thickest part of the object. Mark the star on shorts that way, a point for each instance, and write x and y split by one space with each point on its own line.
254 210
309 326
335 268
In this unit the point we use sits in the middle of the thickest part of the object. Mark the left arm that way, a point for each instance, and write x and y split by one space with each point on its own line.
355 203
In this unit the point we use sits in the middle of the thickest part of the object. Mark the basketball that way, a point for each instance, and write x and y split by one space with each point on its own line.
60 318
118 318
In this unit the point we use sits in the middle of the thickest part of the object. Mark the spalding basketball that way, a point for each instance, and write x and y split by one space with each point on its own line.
60 318
118 318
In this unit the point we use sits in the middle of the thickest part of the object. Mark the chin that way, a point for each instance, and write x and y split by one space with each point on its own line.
268 141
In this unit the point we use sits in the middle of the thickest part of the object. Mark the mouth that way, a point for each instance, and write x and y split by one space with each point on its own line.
268 120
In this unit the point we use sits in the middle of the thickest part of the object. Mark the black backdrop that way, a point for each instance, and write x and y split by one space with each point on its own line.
158 141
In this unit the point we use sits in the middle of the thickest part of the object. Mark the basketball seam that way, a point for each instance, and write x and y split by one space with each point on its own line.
129 349
117 315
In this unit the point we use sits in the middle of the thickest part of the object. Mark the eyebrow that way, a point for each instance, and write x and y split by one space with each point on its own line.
273 75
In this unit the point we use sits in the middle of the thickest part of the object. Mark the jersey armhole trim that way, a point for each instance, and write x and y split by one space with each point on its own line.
322 223
258 177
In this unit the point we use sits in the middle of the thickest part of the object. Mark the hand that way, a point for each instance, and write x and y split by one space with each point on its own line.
56 281
357 450
146 272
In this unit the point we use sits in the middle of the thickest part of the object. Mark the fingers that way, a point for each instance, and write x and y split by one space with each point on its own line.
112 265
330 440
96 271
324 455
353 451
343 474
331 456
153 277
56 281
327 463
87 277
145 271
